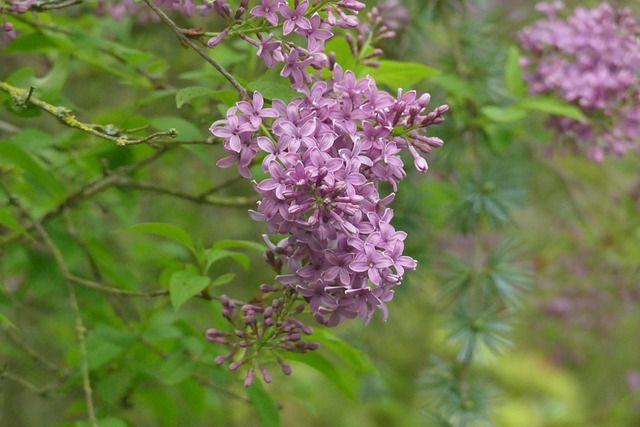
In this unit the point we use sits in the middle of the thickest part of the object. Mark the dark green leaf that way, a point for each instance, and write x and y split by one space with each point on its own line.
396 74
265 407
176 369
186 94
326 368
357 359
272 86
213 255
12 154
31 42
185 284
228 97
105 344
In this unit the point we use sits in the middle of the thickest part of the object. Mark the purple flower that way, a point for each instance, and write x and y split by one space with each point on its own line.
268 9
294 17
314 34
371 261
255 111
295 69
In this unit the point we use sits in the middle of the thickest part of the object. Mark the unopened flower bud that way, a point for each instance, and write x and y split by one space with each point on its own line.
215 41
235 365
239 12
223 358
424 100
268 288
286 369
248 380
265 374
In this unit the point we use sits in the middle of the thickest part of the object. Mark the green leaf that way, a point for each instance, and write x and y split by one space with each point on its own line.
503 114
3 319
8 220
185 284
228 97
176 369
340 47
112 422
513 74
229 243
326 368
161 404
357 360
12 154
396 74
223 279
50 86
213 255
105 344
456 86
553 106
186 94
272 86
265 407
186 130
166 230
31 42
26 111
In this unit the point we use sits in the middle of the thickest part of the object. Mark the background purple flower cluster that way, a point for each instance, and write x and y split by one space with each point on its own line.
325 154
591 59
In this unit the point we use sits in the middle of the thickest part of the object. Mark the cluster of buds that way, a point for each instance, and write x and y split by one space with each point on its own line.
260 330
371 33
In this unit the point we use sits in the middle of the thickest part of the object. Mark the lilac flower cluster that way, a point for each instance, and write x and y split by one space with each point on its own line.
314 22
591 59
263 328
325 154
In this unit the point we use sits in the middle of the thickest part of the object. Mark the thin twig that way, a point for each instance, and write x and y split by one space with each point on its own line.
201 199
89 190
221 186
155 81
73 299
21 97
30 351
114 291
41 7
188 42
41 391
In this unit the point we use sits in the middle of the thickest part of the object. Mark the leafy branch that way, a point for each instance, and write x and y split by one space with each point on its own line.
75 307
186 41
22 97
